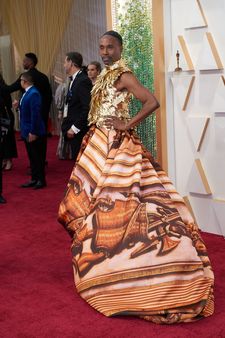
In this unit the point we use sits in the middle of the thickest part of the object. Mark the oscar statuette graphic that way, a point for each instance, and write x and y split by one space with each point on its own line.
178 68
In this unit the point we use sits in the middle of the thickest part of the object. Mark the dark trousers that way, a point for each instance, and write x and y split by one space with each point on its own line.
45 140
36 155
75 144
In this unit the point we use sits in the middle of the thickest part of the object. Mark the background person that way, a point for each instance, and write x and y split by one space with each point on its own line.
10 149
41 82
93 70
76 107
64 147
2 144
33 131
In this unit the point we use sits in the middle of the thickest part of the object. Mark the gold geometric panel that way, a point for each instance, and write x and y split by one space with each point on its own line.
214 50
197 126
223 78
209 58
181 87
203 176
188 93
197 181
202 13
195 19
186 52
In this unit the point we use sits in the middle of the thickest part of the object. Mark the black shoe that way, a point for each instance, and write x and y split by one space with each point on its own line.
29 184
2 199
39 185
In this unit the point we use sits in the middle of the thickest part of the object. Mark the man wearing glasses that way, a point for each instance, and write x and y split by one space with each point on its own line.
33 131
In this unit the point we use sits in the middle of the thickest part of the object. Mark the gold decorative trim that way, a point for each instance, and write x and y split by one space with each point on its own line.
202 13
108 14
219 200
223 79
203 133
180 267
214 50
203 176
186 52
188 93
146 299
159 81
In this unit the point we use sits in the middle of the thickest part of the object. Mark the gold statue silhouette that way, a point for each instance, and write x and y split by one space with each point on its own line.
178 68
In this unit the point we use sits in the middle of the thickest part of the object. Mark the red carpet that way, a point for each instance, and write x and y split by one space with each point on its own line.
38 299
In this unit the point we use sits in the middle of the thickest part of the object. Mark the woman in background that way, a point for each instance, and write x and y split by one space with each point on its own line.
63 149
93 70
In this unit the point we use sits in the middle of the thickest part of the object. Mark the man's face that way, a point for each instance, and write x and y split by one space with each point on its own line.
110 49
27 63
68 66
92 72
23 82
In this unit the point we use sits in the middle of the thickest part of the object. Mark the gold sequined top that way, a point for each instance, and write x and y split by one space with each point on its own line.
106 100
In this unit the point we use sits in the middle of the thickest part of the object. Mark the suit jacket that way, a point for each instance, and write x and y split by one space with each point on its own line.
41 82
78 104
30 114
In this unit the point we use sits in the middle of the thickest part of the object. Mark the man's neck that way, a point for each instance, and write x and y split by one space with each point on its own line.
27 86
74 71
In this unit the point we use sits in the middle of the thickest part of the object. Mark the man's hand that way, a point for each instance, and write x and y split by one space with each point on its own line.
15 104
113 122
70 133
32 137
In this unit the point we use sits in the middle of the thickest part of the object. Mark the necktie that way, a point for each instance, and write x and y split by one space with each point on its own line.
69 92
71 80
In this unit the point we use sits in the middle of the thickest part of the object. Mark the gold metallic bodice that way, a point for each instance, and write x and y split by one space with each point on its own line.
106 100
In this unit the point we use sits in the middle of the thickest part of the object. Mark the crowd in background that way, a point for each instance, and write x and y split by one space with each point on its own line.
33 115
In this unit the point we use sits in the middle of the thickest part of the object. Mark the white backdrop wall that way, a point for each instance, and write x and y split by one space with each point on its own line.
196 106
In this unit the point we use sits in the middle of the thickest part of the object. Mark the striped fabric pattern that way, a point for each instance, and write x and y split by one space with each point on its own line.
135 247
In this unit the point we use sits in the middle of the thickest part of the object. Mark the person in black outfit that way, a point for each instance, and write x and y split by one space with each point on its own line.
10 149
41 82
2 199
3 113
76 108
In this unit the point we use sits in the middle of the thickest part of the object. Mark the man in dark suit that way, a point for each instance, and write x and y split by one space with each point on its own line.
33 131
2 142
76 108
41 82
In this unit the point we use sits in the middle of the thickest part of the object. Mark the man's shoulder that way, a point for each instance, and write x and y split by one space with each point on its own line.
34 91
83 78
37 73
